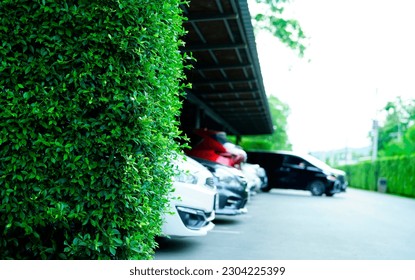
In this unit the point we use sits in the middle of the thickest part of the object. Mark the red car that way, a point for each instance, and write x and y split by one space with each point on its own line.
214 146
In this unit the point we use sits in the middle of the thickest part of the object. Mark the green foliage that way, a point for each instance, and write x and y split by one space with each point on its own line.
402 146
278 140
361 175
89 107
397 134
288 31
398 171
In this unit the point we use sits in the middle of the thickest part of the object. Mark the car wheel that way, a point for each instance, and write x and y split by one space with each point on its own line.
266 189
317 188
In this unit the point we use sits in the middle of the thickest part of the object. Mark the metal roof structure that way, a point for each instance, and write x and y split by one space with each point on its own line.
227 89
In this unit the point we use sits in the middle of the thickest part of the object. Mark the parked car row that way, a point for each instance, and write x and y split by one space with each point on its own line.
202 190
217 178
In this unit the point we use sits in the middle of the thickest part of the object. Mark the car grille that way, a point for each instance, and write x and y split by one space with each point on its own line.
341 178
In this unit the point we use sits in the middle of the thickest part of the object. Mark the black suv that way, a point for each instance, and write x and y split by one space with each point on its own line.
288 170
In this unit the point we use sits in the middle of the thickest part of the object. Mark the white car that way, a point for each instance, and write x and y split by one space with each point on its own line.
193 201
256 175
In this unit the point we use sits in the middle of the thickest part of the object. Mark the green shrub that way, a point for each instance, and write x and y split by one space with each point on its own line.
399 173
89 106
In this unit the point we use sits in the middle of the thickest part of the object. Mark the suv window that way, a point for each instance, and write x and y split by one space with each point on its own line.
293 160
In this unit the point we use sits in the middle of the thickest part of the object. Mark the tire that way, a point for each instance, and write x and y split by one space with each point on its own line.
317 188
266 189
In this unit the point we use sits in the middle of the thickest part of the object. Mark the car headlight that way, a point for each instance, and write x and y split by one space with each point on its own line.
225 178
331 178
185 177
231 182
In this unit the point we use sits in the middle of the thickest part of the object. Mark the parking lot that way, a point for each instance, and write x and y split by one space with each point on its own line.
293 225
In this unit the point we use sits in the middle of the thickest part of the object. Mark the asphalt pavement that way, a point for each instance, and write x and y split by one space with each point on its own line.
293 225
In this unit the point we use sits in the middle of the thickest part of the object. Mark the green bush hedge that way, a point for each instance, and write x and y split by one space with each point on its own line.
399 173
89 107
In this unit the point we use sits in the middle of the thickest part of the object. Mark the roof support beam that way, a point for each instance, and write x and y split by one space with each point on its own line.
212 47
204 93
219 82
211 17
192 98
204 67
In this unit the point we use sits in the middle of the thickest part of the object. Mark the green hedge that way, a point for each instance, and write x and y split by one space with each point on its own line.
399 173
89 114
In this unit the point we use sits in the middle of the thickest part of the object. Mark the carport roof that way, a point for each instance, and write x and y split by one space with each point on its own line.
226 79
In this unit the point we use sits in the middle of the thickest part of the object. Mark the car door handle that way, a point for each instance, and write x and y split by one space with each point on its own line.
285 169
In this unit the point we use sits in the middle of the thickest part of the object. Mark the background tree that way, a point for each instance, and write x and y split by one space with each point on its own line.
397 134
279 139
287 30
290 33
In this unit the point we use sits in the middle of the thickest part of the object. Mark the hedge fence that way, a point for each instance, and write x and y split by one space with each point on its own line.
399 173
89 112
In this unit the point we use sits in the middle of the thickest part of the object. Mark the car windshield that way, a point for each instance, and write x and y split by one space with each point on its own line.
318 163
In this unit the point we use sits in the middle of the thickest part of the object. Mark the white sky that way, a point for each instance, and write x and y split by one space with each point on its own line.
362 54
